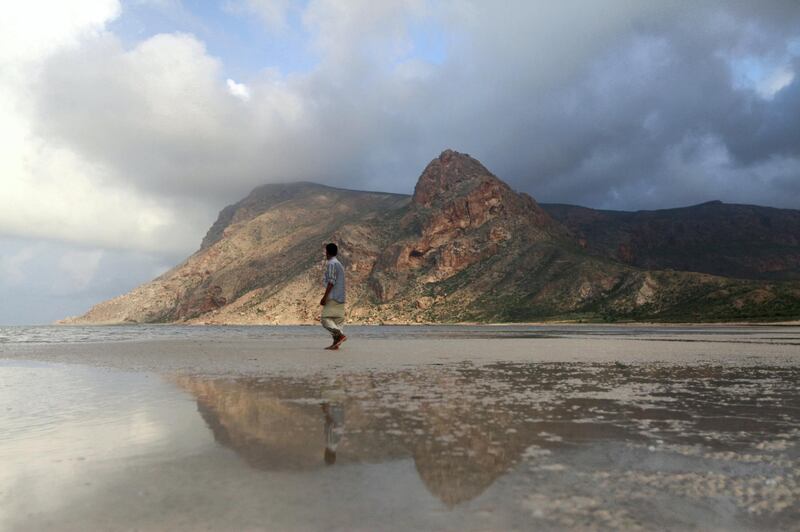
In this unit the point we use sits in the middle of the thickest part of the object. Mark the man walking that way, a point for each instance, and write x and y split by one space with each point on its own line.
333 300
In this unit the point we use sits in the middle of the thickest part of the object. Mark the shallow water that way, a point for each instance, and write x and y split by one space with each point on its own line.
445 446
56 334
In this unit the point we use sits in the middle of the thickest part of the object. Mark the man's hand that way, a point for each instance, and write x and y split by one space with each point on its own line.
325 295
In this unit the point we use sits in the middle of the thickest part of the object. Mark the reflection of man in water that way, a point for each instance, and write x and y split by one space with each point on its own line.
334 427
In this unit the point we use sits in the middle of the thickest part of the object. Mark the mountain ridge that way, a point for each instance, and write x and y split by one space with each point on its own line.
463 247
732 240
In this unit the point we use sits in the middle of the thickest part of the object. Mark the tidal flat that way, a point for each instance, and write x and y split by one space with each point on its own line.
430 428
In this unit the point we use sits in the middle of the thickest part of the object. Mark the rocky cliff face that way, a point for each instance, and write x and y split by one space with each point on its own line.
464 247
459 216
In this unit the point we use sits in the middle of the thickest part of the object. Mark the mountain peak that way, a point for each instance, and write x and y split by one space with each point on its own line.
451 174
449 154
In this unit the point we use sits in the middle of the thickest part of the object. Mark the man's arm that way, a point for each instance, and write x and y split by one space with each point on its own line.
327 291
330 277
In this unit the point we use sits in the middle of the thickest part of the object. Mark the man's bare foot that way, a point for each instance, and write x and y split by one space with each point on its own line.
339 341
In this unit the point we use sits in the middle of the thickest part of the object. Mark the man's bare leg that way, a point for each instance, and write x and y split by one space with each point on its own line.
333 326
339 336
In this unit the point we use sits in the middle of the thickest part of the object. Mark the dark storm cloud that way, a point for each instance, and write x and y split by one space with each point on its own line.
649 120
616 104
766 129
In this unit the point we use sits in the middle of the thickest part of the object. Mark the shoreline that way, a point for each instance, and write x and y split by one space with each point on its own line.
304 354
655 324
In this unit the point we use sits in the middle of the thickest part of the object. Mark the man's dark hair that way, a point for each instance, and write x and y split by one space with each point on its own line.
331 249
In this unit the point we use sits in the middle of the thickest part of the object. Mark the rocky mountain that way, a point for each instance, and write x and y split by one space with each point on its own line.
464 247
744 241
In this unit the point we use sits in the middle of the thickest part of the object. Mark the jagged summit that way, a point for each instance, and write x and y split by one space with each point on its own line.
451 174
455 192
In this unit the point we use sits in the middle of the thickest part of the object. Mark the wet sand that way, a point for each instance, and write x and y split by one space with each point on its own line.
409 346
444 429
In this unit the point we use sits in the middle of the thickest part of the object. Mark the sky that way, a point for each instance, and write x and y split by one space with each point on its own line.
126 126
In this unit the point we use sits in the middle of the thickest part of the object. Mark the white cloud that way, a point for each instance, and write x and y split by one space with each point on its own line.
239 90
54 193
32 29
161 118
51 190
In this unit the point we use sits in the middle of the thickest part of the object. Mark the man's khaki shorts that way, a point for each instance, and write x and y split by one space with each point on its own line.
333 309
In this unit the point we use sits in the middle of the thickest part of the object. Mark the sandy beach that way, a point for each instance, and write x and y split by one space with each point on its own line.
431 428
